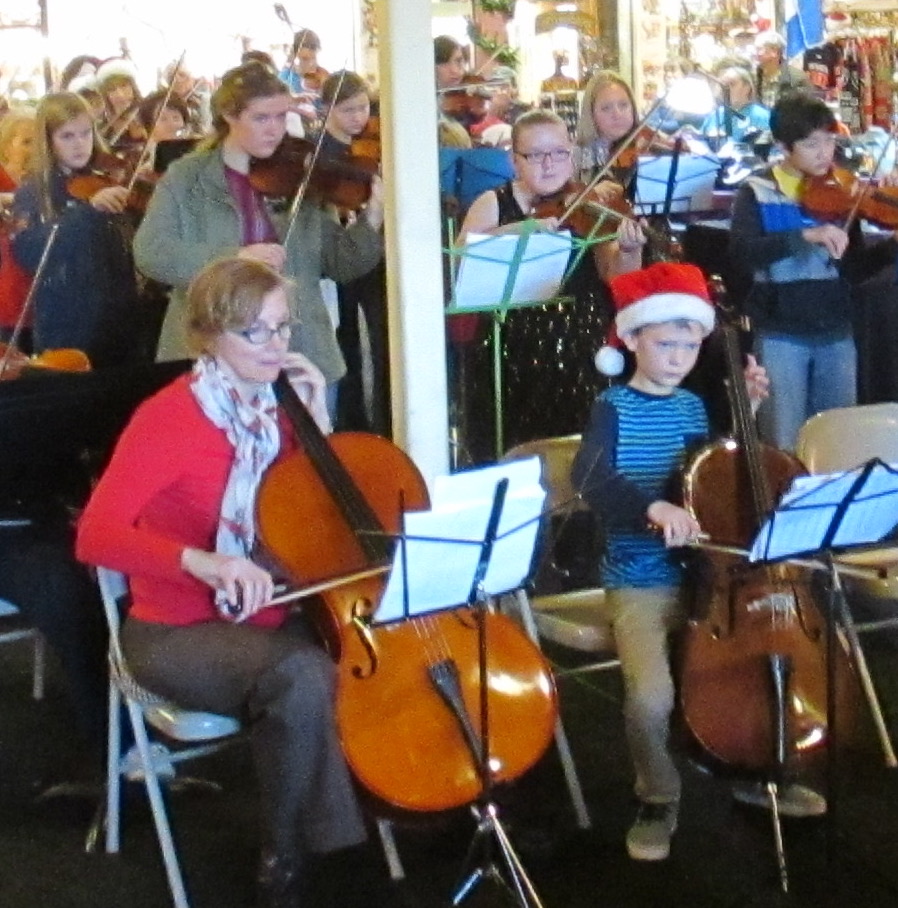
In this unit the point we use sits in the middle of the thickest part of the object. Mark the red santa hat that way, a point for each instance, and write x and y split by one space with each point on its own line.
664 292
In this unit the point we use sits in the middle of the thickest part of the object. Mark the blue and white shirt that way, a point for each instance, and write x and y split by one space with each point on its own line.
630 456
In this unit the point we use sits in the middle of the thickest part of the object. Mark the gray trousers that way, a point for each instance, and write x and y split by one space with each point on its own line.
281 684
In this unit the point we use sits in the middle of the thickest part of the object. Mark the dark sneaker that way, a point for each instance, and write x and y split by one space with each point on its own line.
649 836
794 800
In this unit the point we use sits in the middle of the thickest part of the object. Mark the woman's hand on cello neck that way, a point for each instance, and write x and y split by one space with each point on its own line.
246 586
310 386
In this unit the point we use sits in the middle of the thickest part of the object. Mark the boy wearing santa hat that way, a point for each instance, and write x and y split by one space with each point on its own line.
626 469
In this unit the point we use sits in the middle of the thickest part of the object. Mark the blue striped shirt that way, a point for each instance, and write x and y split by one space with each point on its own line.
631 455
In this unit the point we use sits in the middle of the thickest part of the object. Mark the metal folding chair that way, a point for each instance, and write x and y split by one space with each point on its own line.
572 619
200 733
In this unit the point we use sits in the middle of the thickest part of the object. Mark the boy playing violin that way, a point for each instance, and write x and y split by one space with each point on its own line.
802 272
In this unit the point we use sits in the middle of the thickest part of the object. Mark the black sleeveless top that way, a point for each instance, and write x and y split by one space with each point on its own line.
548 369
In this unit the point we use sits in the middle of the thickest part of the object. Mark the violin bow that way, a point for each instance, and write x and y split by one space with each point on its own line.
29 300
144 156
303 187
852 215
129 119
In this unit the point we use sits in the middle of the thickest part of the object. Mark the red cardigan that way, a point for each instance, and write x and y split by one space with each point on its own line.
160 494
14 280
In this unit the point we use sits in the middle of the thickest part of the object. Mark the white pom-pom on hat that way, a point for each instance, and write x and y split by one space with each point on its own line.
610 358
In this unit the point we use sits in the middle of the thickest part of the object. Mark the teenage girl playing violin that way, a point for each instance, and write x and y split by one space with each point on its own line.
349 137
803 269
542 154
346 98
607 120
449 70
87 297
206 206
121 127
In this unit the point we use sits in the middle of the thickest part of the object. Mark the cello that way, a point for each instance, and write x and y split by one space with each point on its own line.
402 741
753 689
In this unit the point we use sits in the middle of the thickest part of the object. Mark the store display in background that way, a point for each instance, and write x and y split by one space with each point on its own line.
854 69
566 104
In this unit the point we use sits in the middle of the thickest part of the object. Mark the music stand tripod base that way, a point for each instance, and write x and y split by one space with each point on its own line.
491 835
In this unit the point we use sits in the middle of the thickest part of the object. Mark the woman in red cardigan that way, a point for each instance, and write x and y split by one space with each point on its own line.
174 511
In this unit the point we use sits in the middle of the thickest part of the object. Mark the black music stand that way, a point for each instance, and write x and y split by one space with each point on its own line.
817 518
491 851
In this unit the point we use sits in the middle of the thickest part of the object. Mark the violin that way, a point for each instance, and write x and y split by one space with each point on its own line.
583 215
839 196
468 100
112 169
367 143
329 510
341 181
14 363
577 207
645 140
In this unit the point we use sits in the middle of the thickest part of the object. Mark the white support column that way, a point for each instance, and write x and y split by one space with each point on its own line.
414 261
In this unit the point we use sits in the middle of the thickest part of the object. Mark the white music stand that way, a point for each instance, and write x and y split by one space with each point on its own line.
675 184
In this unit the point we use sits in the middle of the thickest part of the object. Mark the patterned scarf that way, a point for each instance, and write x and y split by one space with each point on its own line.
252 429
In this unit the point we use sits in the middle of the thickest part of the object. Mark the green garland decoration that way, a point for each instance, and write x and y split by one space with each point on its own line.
502 54
505 7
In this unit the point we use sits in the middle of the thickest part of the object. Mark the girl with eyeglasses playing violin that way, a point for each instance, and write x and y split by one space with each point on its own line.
87 296
544 169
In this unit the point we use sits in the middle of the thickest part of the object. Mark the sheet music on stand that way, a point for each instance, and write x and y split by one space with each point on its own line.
693 188
433 566
831 511
510 269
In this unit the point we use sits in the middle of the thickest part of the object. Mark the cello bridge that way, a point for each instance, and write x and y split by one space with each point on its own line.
781 607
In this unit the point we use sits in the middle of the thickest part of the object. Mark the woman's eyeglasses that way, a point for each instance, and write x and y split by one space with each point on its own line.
262 334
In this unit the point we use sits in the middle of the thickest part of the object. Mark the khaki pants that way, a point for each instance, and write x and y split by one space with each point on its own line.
642 621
